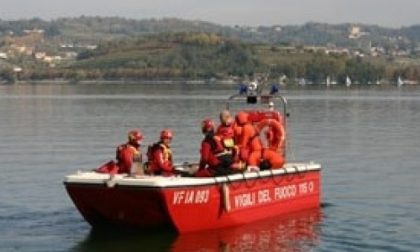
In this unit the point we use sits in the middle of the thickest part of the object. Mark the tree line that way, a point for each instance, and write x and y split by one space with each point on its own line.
208 56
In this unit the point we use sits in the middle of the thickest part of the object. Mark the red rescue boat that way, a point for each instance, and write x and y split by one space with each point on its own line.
192 204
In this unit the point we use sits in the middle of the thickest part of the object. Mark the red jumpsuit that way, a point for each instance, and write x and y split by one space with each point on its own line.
160 160
126 155
250 145
209 160
225 131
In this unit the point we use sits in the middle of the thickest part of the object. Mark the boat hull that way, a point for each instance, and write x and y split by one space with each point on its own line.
199 205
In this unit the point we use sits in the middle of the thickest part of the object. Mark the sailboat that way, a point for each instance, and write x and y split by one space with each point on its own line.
328 81
302 81
348 81
400 82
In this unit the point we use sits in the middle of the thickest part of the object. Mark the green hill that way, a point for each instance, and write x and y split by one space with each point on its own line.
190 55
93 29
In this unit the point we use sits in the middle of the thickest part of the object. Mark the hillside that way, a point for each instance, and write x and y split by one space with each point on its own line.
206 56
188 55
94 29
115 48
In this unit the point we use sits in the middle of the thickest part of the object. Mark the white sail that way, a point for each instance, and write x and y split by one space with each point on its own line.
328 81
302 81
348 81
400 82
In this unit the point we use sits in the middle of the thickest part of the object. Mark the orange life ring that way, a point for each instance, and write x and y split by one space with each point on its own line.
276 133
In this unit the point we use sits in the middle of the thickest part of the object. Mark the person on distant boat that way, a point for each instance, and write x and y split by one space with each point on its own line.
160 156
215 160
128 155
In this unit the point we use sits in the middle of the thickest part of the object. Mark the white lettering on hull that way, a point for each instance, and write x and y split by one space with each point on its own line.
247 199
270 195
191 197
244 200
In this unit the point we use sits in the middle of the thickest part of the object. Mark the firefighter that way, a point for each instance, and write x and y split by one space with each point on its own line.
249 142
215 160
226 135
160 156
225 128
128 155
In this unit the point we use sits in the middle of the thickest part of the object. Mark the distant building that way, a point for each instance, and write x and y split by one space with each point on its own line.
19 49
376 51
3 55
70 55
91 47
40 55
17 69
277 28
34 31
341 51
355 32
67 46
48 59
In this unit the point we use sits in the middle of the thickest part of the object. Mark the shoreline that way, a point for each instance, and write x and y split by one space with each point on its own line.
180 82
142 82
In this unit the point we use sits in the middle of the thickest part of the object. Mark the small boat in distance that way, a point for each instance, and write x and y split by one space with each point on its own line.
189 204
400 81
348 81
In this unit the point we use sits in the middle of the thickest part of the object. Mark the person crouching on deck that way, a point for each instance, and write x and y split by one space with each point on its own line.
215 160
160 156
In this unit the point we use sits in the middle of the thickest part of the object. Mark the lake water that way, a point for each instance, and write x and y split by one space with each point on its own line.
368 141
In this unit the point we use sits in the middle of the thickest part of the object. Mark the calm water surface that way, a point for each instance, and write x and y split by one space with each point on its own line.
367 140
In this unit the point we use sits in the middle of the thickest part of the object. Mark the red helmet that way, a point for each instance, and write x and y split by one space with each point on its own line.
242 118
135 135
207 125
166 134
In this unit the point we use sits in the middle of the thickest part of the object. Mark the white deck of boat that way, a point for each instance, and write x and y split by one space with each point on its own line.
159 181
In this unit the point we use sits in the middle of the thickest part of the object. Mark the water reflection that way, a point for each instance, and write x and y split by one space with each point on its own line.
294 232
118 240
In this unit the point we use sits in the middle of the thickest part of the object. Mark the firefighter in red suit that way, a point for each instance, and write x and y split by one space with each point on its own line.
129 155
215 160
160 156
226 133
225 128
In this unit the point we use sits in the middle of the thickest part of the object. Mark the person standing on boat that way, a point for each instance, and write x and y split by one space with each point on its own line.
249 141
160 156
251 148
215 160
128 155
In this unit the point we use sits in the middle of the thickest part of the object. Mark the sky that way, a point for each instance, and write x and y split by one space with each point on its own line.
391 13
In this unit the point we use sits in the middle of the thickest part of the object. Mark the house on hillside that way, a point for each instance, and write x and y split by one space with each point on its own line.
40 55
17 69
34 31
356 32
